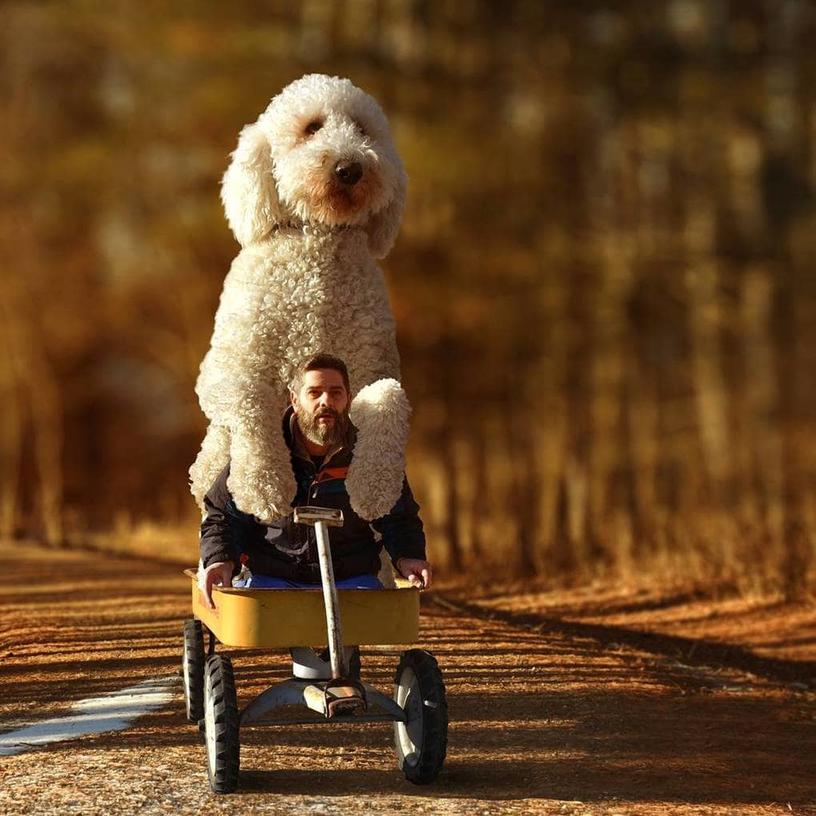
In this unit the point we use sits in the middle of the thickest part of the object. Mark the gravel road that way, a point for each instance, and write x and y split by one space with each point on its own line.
543 720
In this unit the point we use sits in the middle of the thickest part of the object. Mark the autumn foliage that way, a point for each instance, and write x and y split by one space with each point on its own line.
604 285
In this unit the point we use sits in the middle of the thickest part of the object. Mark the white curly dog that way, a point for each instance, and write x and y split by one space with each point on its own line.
314 193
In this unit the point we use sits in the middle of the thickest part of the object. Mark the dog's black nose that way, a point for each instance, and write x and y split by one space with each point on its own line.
348 172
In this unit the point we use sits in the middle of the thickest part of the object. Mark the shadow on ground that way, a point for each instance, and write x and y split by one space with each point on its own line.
537 709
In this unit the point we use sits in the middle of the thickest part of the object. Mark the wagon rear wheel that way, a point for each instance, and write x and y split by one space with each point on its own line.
421 742
221 733
192 669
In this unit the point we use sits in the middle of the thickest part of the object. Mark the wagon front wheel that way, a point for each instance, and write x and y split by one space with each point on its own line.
221 732
421 742
192 669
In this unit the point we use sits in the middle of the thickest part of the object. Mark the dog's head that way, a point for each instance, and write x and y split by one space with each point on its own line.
320 153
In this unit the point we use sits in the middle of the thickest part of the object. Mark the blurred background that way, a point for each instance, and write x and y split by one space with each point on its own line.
604 285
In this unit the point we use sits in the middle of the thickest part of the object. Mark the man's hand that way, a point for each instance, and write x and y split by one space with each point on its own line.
417 571
218 573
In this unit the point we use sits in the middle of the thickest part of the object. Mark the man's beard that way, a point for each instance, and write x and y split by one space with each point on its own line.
324 433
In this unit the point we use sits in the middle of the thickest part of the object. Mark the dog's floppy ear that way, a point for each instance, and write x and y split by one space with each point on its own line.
383 226
248 188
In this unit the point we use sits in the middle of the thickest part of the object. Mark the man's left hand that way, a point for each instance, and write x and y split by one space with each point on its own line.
416 570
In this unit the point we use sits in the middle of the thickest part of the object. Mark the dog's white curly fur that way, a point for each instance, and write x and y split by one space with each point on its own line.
379 411
304 282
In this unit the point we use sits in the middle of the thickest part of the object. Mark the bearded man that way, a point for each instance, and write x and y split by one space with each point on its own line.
320 436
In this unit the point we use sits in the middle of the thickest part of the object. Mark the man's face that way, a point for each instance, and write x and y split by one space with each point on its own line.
321 405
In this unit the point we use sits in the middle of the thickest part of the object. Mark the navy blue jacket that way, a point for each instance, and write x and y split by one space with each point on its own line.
289 550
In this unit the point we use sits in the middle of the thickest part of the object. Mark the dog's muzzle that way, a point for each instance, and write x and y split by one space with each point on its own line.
348 173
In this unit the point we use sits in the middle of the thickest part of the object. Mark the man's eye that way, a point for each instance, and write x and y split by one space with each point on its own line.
312 127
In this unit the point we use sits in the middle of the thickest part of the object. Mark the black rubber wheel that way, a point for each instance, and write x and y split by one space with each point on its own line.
192 669
355 664
221 734
422 741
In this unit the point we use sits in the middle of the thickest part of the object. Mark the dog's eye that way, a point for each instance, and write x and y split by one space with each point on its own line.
312 127
361 129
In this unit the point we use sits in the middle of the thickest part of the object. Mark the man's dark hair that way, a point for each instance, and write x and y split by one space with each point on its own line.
318 361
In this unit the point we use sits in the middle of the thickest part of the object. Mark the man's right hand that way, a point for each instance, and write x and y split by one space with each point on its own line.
218 573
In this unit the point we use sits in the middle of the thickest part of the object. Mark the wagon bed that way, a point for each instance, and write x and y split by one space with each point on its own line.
269 618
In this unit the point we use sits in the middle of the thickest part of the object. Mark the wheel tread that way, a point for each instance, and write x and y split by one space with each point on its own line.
195 657
435 725
220 683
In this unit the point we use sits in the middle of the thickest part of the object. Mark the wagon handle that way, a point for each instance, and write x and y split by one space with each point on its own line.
321 518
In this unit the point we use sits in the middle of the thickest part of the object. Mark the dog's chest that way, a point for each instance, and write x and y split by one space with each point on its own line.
327 295
337 284
336 300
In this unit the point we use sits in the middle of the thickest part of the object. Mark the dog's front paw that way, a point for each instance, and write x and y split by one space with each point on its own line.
380 412
374 489
261 493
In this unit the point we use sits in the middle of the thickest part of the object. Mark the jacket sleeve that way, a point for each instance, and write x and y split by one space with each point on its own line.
401 530
217 540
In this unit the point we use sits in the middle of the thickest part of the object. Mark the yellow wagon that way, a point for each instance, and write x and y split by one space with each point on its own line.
326 684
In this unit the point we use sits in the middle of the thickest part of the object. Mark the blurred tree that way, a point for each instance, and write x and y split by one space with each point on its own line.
603 286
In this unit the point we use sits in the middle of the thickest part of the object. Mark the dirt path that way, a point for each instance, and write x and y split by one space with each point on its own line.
544 719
